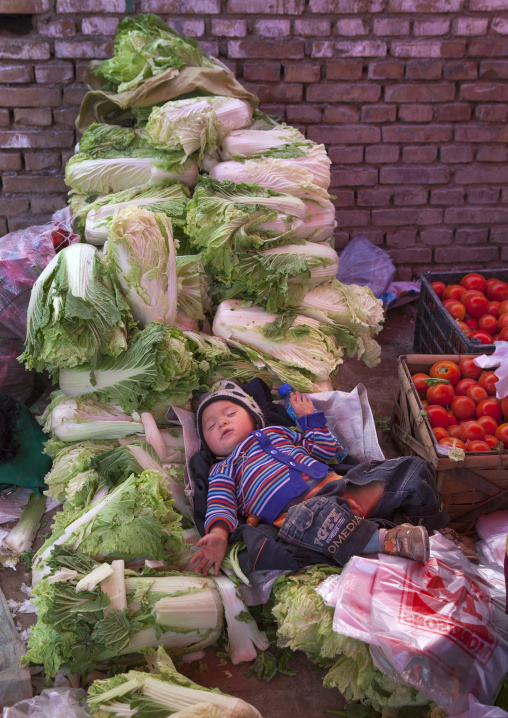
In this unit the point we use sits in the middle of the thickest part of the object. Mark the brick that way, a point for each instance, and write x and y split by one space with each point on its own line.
22 50
416 255
401 238
353 218
468 235
99 25
16 73
341 114
414 175
381 154
428 6
391 27
484 92
312 28
85 49
64 7
466 254
66 156
352 27
344 70
347 155
413 133
192 28
57 28
229 28
456 154
10 161
483 195
354 178
303 113
378 113
374 197
347 7
416 113
419 155
388 70
499 25
39 204
494 69
36 139
269 7
42 184
356 48
344 198
428 48
375 236
420 93
54 74
476 215
340 239
209 48
276 92
33 117
347 134
491 113
66 116
504 195
403 274
504 254
28 220
433 28
343 92
4 118
447 196
488 153
484 5
498 236
272 28
436 237
406 217
497 47
470 26
29 97
424 70
10 207
481 133
302 73
36 161
24 7
264 72
190 7
74 94
453 113
461 70
252 47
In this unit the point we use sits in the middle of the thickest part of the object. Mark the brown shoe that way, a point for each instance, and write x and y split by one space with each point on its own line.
407 541
454 537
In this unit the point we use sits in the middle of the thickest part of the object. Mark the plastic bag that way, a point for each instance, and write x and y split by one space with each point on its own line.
498 359
362 263
60 702
478 710
493 529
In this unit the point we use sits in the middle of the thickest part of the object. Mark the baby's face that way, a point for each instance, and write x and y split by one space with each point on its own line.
225 425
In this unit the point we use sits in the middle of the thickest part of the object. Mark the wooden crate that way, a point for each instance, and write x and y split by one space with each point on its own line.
479 484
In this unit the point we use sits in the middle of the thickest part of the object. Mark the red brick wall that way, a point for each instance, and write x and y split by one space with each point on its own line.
410 97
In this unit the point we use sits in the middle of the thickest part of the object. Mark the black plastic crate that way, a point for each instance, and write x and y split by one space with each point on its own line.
435 330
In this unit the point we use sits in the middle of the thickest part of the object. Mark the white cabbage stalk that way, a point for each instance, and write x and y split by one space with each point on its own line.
114 587
90 581
282 176
72 421
152 435
64 574
104 176
244 143
309 250
196 123
320 221
140 251
21 537
193 297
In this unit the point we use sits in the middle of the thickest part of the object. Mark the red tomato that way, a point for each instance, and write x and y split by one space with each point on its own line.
474 281
455 309
497 291
439 433
490 407
488 423
502 434
465 329
484 337
445 370
438 416
420 386
453 291
488 323
438 287
463 385
476 304
477 446
477 394
442 394
488 380
492 441
504 407
454 431
469 370
503 306
494 309
463 407
503 321
503 334
452 419
425 403
451 442
471 431
471 323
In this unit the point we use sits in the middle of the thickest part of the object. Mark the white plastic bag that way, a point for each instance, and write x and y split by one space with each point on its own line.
498 359
493 529
362 263
60 702
478 710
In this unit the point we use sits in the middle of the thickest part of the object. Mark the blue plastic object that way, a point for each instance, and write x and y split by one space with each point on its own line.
284 393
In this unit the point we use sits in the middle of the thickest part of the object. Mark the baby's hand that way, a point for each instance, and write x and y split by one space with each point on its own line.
301 404
214 549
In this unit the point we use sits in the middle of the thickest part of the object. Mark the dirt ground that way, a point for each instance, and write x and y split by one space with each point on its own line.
302 696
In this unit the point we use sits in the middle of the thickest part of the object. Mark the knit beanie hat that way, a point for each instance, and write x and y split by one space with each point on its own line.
228 391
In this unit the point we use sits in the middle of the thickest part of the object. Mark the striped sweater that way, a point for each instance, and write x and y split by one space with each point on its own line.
251 481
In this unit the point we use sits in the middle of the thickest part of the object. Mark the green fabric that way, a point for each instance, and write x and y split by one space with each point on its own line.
30 466
112 108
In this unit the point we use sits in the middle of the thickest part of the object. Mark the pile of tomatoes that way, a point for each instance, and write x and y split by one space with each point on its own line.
478 305
461 406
